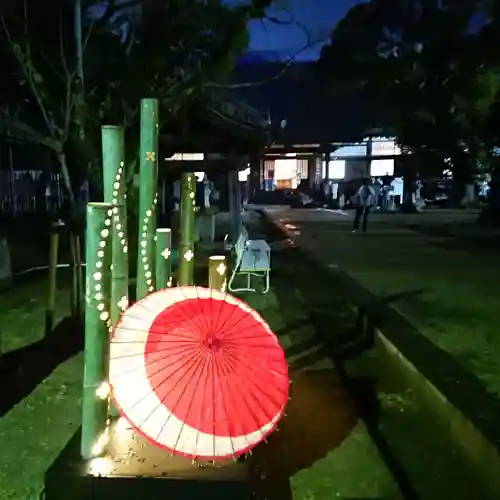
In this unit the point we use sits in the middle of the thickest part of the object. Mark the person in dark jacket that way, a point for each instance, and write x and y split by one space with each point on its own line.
365 198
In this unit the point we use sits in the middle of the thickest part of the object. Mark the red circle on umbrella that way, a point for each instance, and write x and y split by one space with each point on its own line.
216 366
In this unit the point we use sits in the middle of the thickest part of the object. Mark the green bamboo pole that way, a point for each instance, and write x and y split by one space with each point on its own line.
187 227
148 177
163 265
113 164
217 273
97 326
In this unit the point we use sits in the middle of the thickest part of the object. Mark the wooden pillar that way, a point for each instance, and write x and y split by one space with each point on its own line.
234 204
5 264
254 179
262 176
311 171
369 152
319 171
326 159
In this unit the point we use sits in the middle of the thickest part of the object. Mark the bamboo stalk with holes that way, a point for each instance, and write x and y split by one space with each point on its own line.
97 326
217 273
187 230
113 164
163 265
148 178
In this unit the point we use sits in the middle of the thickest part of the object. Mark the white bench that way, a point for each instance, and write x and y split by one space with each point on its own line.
253 258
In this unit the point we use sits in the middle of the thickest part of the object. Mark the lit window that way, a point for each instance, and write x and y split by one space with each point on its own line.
243 175
336 169
382 167
187 157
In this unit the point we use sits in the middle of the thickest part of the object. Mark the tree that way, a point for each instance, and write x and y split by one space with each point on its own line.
423 64
131 49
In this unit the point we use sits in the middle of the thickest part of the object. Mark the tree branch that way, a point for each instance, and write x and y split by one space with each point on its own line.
15 129
28 71
61 47
310 42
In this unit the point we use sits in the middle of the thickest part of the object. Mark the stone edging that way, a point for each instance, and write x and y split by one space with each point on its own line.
478 436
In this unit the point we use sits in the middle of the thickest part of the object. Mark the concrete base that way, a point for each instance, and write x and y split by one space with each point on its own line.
134 469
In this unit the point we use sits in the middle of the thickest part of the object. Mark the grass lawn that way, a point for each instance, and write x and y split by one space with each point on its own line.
324 443
34 432
22 310
458 305
415 442
322 450
317 454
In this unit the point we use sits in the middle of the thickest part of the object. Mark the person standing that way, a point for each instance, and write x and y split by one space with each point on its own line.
377 188
365 199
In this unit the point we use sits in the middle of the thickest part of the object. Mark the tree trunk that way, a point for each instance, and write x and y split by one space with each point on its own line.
464 172
409 179
463 192
491 213
66 179
469 197
75 223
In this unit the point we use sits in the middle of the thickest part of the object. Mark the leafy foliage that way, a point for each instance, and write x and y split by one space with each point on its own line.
430 68
131 49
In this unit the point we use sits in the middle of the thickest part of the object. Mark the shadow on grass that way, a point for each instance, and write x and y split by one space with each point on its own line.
340 334
485 241
22 370
320 415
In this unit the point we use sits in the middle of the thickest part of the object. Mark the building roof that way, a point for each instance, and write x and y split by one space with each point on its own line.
296 94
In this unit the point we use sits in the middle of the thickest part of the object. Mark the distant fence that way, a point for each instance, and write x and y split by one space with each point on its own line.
30 191
34 191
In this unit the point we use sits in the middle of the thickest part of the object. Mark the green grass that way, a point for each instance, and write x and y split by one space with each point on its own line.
321 437
458 307
22 311
34 432
328 451
322 450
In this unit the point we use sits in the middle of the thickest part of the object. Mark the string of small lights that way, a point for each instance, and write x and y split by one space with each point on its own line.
98 275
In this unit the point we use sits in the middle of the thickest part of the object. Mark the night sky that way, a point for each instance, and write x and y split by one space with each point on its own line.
319 16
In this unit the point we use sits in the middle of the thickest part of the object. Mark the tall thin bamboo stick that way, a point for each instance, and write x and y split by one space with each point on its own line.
52 292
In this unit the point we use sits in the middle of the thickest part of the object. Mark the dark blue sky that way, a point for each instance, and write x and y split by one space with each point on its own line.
318 16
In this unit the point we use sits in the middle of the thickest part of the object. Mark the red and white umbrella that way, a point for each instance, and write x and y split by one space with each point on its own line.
198 372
